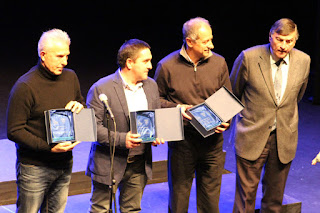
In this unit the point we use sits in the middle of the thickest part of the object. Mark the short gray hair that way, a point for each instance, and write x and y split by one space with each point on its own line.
54 34
284 26
191 28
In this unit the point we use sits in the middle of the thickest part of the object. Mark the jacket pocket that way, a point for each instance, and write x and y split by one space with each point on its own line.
294 126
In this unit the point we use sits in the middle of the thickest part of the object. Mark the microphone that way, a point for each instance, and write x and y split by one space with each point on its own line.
104 99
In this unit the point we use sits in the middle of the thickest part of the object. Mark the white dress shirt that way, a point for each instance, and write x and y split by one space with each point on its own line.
136 98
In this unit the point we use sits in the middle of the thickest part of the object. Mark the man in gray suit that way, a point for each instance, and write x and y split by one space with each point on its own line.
128 89
270 80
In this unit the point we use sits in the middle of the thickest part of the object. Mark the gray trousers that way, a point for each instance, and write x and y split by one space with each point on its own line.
131 189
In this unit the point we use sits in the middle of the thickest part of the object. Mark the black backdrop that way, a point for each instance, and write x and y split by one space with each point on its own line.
98 28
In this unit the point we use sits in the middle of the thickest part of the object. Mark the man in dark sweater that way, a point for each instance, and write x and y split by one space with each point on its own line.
43 170
188 77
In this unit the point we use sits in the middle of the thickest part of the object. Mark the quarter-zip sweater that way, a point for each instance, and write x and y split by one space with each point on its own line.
199 82
36 91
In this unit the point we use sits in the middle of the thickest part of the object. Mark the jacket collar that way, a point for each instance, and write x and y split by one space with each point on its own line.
119 89
265 68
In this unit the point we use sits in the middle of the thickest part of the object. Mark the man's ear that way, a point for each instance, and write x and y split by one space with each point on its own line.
42 54
270 37
129 63
189 42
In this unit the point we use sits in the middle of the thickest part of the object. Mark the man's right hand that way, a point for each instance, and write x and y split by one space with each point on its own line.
183 108
132 140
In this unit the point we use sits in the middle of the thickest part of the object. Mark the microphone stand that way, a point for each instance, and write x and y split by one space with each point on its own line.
112 188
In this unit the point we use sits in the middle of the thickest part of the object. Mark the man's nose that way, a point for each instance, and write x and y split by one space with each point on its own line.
210 46
64 61
283 45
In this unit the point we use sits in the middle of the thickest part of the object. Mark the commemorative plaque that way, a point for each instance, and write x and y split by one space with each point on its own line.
219 107
64 125
62 128
145 124
205 116
163 123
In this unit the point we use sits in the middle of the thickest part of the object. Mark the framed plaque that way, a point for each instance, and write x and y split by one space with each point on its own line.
145 125
205 116
219 107
61 125
163 123
64 125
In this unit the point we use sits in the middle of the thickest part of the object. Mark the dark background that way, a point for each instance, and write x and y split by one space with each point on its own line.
98 28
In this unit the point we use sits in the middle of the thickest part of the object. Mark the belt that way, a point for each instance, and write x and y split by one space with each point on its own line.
134 158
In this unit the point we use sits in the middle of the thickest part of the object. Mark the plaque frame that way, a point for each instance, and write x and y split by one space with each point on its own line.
223 103
207 117
145 125
169 131
82 125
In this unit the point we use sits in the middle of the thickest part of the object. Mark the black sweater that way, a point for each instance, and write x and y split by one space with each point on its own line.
34 92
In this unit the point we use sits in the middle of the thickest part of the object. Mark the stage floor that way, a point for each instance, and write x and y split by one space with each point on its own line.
155 199
302 185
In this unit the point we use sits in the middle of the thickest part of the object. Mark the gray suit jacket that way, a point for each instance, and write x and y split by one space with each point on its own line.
99 159
252 83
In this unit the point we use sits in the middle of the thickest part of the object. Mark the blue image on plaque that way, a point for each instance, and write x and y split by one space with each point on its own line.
146 125
61 124
205 116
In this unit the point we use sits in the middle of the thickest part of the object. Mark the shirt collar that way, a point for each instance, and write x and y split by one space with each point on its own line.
285 59
183 53
127 86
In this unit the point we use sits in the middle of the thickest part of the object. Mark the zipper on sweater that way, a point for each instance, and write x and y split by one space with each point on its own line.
195 66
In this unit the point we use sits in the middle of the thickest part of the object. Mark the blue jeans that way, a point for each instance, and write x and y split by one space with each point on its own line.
42 188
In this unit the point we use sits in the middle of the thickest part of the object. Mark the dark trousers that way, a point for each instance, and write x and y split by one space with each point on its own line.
131 190
273 180
200 156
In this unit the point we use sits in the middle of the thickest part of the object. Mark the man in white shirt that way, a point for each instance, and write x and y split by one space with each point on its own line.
128 89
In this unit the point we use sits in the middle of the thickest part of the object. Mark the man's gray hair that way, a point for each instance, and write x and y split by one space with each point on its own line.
54 34
191 28
284 26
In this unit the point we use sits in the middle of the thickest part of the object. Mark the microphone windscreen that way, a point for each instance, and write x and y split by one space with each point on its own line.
103 97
